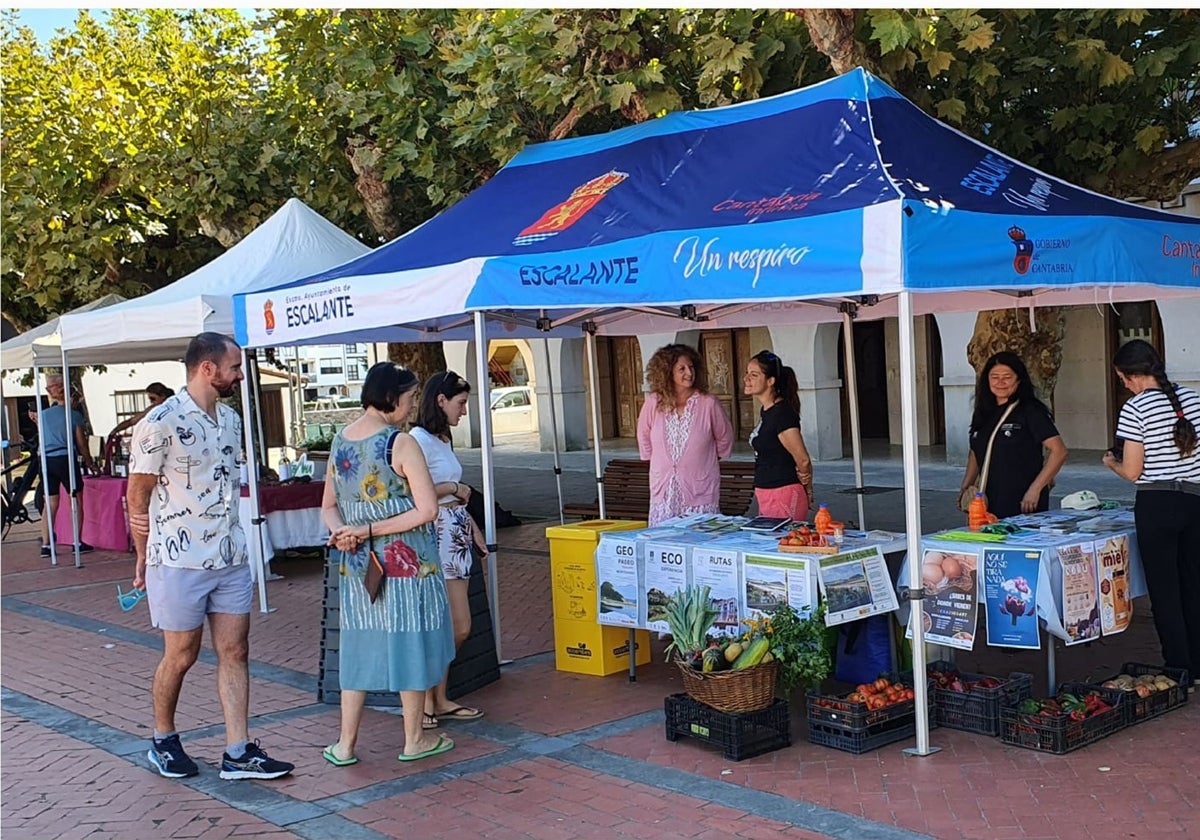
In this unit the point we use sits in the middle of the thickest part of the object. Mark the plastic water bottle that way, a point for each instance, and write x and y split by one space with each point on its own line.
823 521
977 513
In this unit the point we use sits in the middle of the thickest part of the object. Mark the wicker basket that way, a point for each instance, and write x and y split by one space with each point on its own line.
747 690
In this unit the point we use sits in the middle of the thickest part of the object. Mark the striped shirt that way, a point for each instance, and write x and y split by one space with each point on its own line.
1149 419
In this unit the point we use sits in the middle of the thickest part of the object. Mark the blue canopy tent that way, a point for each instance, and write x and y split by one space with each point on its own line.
773 211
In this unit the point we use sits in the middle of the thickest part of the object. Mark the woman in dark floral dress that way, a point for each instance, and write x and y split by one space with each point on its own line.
379 496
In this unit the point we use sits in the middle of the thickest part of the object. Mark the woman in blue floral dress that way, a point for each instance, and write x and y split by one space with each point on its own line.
379 496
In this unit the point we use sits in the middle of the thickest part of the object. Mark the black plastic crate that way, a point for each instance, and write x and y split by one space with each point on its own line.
852 716
871 738
740 735
1139 709
1061 735
978 710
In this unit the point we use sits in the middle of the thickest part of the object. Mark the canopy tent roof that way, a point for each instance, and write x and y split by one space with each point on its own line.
843 190
294 241
43 343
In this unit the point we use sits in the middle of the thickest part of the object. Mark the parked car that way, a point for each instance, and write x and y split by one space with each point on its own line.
513 410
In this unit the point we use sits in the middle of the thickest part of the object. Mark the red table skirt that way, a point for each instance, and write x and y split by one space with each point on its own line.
288 496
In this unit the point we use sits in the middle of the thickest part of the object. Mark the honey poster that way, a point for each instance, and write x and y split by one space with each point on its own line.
1080 592
1112 567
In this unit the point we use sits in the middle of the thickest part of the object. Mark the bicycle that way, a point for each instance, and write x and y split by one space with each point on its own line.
16 489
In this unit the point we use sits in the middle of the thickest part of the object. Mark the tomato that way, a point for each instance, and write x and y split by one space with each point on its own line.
855 697
804 531
908 694
865 689
876 702
881 684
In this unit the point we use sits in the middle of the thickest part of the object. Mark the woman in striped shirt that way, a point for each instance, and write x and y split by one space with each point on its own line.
1158 424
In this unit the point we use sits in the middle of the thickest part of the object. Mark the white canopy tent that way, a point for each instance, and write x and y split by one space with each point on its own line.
293 242
42 345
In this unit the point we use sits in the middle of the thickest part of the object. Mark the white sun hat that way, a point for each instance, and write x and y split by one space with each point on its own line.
1082 500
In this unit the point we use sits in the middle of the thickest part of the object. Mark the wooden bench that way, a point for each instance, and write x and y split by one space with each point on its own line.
627 490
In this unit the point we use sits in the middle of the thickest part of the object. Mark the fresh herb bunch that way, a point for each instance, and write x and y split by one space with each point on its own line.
798 644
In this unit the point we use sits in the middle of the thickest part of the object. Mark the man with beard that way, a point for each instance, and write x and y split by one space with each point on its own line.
191 553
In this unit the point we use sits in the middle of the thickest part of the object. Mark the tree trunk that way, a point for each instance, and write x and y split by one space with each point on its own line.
832 33
1040 349
424 359
370 184
221 230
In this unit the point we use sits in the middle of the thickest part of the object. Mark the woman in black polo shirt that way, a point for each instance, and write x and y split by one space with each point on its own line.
1020 473
1159 424
782 466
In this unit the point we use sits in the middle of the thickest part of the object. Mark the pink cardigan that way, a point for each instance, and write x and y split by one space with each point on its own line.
691 483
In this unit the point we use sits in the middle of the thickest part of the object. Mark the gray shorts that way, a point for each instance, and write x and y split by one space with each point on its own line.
181 598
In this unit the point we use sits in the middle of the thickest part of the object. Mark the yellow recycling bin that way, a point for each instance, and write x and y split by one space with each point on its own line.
581 645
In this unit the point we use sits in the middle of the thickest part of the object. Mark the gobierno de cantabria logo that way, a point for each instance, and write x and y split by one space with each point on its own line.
1024 249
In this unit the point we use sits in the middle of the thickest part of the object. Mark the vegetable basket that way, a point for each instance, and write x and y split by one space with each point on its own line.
746 690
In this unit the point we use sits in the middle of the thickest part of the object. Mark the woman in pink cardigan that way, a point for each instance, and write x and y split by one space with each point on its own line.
682 431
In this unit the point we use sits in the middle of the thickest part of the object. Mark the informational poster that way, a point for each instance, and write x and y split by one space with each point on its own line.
619 601
855 584
1010 578
1112 565
666 572
773 580
717 569
1080 592
950 608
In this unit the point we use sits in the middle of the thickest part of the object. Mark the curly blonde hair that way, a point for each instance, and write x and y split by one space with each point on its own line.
659 373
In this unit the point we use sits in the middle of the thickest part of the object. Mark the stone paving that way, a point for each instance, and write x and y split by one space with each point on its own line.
557 756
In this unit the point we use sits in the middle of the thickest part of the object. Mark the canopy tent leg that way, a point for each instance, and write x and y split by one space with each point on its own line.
489 484
75 529
589 330
554 430
254 540
855 423
912 521
256 385
41 453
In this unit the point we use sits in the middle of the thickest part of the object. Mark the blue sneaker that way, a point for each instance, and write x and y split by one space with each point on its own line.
170 760
255 764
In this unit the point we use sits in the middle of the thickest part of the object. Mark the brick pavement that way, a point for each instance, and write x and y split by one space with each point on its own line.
557 756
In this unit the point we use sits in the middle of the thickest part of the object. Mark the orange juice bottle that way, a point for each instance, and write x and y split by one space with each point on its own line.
823 521
977 513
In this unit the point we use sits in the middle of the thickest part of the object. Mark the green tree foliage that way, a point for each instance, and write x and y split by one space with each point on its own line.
135 148
122 141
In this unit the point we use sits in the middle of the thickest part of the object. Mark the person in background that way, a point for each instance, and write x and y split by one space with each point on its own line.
1159 424
443 404
156 393
379 497
683 432
184 484
59 469
1027 451
782 466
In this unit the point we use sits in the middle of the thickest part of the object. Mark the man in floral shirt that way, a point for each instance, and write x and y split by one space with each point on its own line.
191 553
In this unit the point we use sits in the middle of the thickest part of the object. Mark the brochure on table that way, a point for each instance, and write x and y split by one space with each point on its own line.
638 571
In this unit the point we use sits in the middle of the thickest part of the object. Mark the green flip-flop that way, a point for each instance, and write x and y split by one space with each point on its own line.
444 744
330 756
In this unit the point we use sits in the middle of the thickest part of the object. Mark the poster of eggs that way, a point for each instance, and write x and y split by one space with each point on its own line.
950 605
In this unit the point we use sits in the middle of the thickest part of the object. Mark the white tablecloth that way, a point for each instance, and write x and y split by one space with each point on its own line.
302 528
